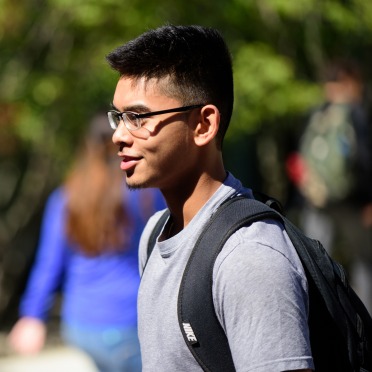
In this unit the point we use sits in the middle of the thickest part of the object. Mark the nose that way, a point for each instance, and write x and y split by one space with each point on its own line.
121 135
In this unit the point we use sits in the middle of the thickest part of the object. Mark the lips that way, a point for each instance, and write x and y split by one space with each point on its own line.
129 162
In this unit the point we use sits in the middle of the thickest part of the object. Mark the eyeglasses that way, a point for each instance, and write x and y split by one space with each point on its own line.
133 121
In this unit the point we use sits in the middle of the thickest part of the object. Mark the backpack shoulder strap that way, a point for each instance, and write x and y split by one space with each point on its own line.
200 327
155 233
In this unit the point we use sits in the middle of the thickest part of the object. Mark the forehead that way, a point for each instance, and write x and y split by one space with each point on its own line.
149 92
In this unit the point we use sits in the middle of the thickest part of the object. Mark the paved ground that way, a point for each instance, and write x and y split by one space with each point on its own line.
55 358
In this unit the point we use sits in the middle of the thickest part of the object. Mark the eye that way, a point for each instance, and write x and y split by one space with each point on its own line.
133 120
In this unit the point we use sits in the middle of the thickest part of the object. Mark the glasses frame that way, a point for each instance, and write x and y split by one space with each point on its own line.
124 117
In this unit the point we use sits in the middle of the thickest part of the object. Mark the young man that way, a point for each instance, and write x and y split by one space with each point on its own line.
171 109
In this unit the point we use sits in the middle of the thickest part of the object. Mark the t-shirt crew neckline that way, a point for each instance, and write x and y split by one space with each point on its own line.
229 188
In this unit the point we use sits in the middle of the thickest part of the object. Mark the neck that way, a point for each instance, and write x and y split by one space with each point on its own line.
188 198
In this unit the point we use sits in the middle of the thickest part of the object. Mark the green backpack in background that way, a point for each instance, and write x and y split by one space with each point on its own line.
328 147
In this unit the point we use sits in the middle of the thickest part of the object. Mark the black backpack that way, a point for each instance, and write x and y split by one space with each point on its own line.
340 325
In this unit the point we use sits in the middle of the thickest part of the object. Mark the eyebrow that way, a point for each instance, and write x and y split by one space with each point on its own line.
114 107
135 108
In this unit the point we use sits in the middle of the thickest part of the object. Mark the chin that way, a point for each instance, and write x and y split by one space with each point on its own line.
142 180
134 183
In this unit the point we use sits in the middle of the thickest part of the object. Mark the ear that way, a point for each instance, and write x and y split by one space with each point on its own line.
207 126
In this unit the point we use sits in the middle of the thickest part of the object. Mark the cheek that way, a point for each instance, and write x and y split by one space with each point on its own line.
180 139
174 146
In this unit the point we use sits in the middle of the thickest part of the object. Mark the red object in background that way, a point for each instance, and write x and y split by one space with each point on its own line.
295 167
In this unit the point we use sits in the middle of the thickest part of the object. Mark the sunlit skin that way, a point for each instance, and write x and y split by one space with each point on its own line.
180 155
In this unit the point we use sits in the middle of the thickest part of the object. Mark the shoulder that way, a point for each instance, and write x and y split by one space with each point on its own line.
260 290
56 200
262 249
57 194
153 220
147 231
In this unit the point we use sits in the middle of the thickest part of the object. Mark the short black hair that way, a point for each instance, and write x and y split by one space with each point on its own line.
196 59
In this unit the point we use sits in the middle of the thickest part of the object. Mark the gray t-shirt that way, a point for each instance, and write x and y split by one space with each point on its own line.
259 293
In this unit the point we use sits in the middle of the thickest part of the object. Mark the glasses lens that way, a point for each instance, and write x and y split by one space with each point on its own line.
114 119
134 125
131 121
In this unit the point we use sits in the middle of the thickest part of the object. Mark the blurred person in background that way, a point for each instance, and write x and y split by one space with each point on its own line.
88 248
332 171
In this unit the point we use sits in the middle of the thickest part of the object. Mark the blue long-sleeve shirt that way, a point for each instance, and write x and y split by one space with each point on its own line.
97 291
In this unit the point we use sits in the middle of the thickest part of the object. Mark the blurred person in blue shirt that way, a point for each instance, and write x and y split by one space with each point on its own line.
88 248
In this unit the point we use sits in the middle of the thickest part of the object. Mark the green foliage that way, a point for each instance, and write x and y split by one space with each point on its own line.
266 88
53 74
